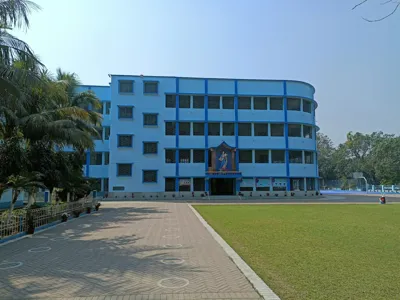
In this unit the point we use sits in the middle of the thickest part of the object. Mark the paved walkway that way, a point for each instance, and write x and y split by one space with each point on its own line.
126 251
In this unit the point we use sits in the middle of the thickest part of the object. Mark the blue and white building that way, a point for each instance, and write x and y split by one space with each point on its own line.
220 136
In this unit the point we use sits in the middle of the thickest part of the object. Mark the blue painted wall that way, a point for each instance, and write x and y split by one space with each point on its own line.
155 103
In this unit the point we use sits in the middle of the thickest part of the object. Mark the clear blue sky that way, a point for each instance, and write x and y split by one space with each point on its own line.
354 65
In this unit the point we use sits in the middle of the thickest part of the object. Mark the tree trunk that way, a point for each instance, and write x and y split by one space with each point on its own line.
15 194
68 197
31 199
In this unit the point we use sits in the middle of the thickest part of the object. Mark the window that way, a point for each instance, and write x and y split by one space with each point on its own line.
198 101
309 157
184 156
245 156
170 156
278 156
297 184
213 102
118 188
150 176
184 128
150 119
260 129
125 140
199 185
198 156
262 156
260 103
307 132
184 101
294 104
108 107
244 103
170 128
126 86
214 129
244 129
198 128
107 133
184 184
170 184
96 158
105 184
228 103
106 158
306 106
295 157
310 184
170 101
150 87
294 130
276 103
277 130
125 112
228 129
124 169
150 147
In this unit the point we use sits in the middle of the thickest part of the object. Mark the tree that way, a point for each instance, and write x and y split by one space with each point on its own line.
19 183
326 151
395 5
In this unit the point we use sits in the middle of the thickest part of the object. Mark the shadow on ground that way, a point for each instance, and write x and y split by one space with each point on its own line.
102 254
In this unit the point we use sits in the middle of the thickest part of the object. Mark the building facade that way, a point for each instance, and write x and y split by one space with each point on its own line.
221 136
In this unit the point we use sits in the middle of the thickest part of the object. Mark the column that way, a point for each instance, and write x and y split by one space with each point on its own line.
177 135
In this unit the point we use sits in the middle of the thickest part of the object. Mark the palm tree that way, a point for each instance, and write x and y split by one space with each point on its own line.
20 183
14 14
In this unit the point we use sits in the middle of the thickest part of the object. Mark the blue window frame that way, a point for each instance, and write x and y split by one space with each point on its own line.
150 176
125 112
150 147
124 170
125 86
150 87
125 141
150 119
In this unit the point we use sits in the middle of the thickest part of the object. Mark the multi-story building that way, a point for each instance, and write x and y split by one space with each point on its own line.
222 136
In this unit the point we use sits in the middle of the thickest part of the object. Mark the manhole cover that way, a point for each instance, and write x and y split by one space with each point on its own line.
169 246
60 238
170 236
172 261
39 249
10 265
173 283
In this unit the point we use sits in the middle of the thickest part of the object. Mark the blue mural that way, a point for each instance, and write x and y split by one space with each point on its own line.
223 158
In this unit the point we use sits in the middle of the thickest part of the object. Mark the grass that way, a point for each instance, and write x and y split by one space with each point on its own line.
316 251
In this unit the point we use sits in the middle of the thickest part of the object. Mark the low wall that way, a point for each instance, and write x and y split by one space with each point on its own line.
199 195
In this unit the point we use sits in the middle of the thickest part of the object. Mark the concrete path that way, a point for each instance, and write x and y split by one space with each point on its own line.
129 250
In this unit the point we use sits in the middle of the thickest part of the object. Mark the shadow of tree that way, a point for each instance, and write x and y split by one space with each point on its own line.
100 255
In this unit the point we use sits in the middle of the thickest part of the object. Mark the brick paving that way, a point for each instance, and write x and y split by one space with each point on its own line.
128 250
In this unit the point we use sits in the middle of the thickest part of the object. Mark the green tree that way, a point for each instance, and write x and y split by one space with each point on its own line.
326 151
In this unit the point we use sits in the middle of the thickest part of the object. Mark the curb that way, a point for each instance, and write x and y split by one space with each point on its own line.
251 276
40 229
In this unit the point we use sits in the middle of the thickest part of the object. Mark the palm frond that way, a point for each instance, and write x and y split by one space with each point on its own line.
12 49
15 12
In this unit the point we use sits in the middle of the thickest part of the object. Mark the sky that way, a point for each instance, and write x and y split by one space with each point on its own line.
353 64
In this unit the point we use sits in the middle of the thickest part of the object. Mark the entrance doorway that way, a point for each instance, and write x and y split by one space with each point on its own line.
222 186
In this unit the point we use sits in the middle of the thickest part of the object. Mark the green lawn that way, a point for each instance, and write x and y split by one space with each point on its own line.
316 251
